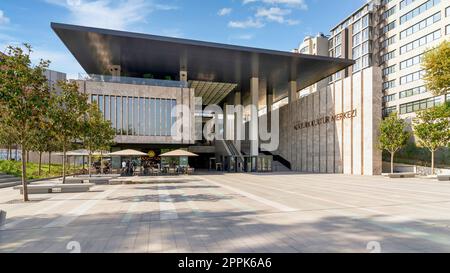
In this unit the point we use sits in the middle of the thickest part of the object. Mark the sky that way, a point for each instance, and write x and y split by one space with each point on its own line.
270 24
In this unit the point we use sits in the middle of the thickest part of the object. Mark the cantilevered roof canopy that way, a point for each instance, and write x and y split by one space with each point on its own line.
138 54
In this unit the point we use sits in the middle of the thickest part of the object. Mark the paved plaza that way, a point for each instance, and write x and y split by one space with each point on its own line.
235 213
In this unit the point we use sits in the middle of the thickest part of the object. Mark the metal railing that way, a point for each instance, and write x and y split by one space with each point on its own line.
136 81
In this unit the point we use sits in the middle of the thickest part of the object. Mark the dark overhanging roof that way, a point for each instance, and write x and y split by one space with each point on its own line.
138 54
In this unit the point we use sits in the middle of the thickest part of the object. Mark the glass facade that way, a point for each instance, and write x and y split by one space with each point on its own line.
137 116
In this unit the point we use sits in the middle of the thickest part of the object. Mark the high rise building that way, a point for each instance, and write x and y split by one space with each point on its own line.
317 45
394 35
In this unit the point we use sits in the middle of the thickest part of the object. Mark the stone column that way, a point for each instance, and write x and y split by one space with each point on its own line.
292 91
237 121
253 126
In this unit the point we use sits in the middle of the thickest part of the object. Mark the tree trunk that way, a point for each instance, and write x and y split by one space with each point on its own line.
89 164
101 164
8 155
24 176
49 162
40 164
432 162
392 162
64 166
28 156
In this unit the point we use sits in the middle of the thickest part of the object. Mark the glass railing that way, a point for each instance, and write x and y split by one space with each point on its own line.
137 81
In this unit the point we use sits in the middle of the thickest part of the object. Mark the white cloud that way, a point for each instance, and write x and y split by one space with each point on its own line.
273 14
117 14
224 11
3 19
292 3
249 23
244 37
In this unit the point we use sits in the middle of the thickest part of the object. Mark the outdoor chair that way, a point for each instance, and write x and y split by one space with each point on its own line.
190 170
172 171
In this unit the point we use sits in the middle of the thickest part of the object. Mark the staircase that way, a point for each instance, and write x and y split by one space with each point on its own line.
9 181
233 150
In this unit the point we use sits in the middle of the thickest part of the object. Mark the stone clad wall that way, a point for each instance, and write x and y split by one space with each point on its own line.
335 144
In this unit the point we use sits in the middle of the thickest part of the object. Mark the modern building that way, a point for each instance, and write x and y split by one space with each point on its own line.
137 79
317 45
393 35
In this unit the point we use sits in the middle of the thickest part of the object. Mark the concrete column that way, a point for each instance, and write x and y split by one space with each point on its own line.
183 75
253 126
237 121
292 91
269 104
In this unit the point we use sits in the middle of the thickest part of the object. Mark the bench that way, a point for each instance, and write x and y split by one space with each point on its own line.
51 188
98 180
401 175
443 177
74 180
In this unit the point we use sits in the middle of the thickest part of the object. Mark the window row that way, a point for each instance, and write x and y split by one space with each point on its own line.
415 106
362 62
388 13
389 70
389 110
389 98
388 56
405 3
412 77
137 116
421 25
411 61
412 92
361 50
419 10
388 27
388 84
421 41
387 42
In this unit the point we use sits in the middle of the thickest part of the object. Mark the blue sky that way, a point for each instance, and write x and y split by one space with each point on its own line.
272 24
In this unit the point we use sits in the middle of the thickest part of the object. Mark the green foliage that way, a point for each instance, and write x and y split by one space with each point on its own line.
24 93
393 134
67 114
14 168
432 127
436 64
98 134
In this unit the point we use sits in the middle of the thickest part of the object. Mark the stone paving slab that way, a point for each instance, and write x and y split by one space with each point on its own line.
235 213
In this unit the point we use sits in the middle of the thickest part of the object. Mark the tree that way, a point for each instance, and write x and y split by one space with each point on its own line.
436 64
67 113
432 128
98 135
8 134
25 95
44 141
393 135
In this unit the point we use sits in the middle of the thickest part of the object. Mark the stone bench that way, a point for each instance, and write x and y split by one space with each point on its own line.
443 177
74 180
51 188
98 180
401 175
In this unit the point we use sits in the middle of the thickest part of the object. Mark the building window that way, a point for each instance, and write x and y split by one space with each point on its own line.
389 70
389 110
388 13
412 92
419 10
447 11
419 105
405 3
388 56
388 27
447 30
421 41
412 77
388 84
421 25
387 42
411 61
389 98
